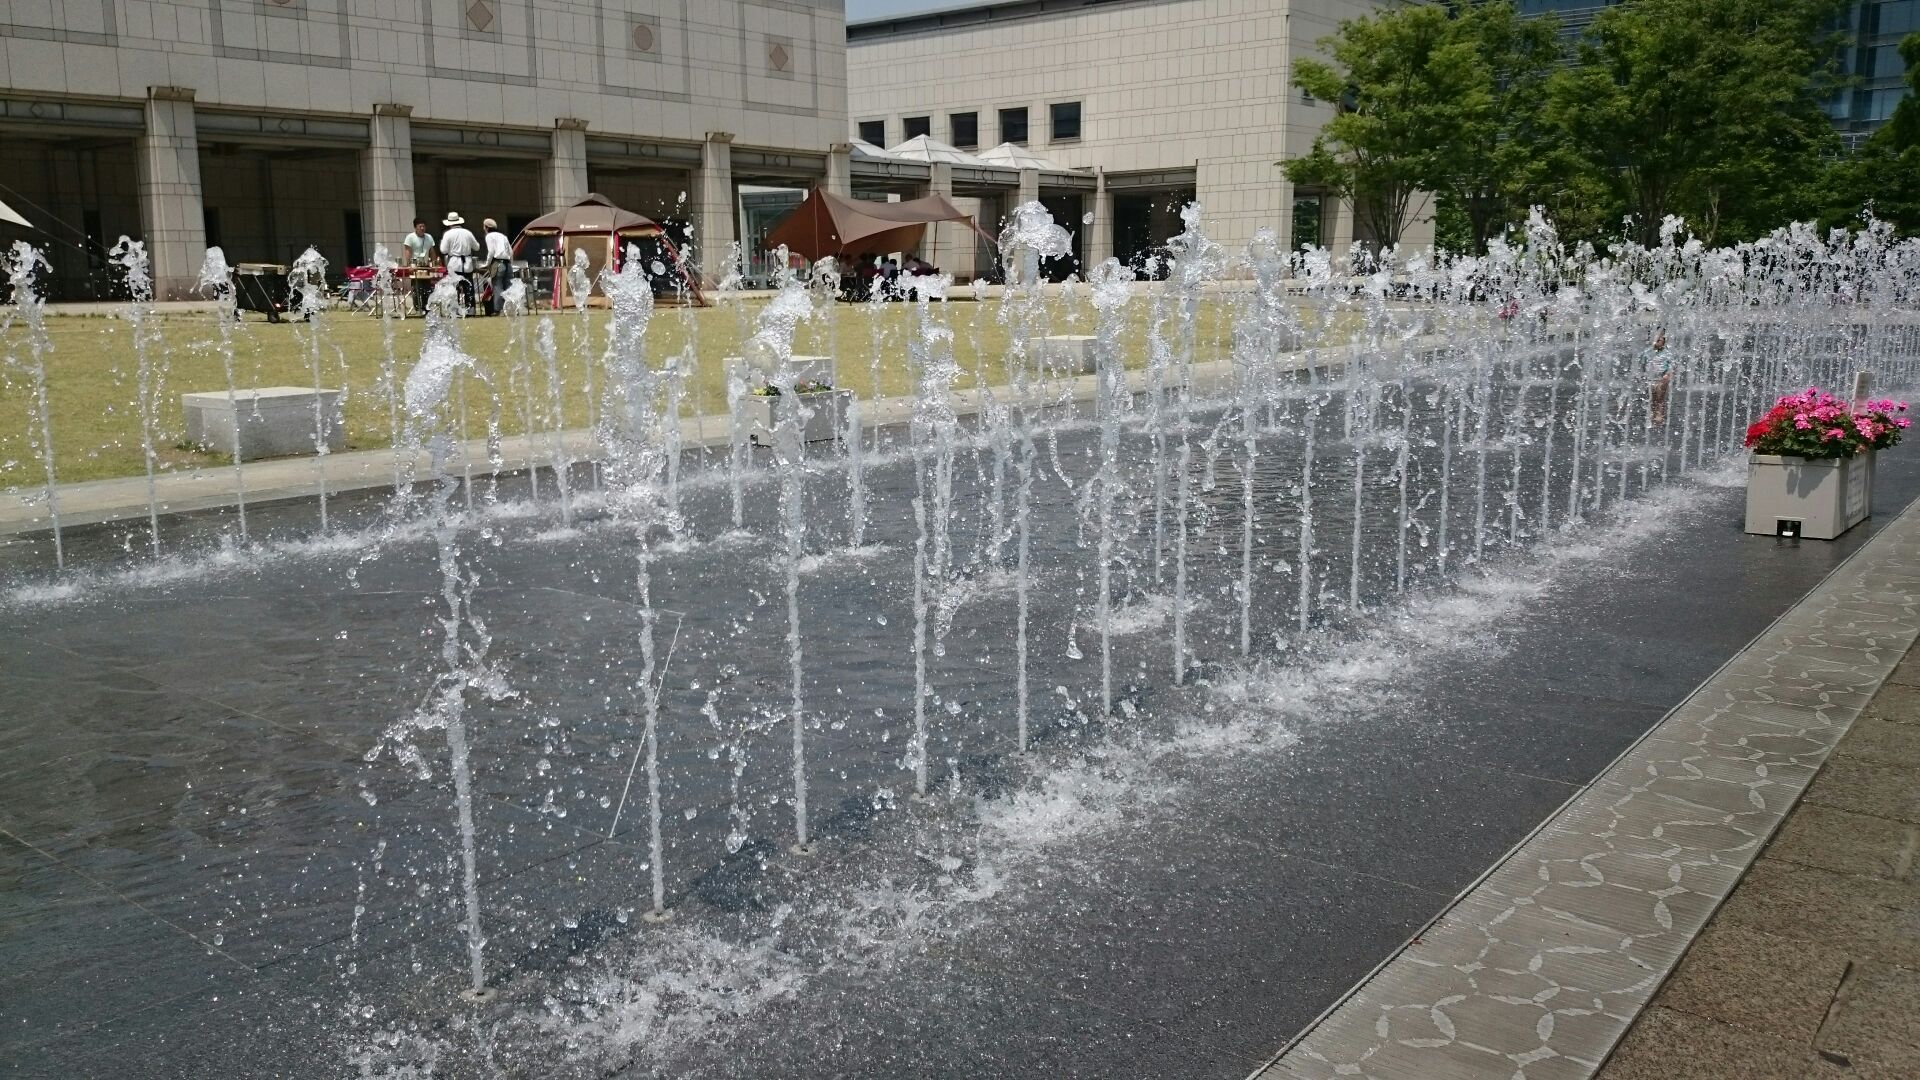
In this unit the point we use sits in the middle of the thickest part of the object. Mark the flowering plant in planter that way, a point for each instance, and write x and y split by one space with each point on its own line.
1815 424
804 386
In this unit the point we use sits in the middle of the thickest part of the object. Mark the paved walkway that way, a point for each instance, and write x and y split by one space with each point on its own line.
1540 968
1812 967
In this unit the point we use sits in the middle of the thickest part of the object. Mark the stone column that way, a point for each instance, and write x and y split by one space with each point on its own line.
940 238
1100 236
386 181
167 178
840 170
1029 188
714 207
563 176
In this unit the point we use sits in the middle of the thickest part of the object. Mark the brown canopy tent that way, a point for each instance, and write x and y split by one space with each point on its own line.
602 230
827 224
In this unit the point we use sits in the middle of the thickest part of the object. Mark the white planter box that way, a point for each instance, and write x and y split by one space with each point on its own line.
760 415
1822 498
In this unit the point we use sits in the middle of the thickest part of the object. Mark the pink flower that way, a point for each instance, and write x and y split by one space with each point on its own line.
1834 433
1802 422
1901 421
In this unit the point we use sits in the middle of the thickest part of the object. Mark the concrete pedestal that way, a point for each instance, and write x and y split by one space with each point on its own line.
820 369
760 414
273 421
1067 354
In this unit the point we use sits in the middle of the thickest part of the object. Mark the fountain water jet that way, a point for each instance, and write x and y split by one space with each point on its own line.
216 278
307 283
149 377
31 310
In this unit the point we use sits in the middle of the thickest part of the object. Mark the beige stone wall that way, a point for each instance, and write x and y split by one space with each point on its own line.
772 72
1163 84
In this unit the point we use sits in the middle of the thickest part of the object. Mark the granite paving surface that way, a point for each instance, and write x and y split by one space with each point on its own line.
1812 966
1539 969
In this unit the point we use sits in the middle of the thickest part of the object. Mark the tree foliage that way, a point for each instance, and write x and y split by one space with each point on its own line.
1707 109
1502 153
1710 109
1399 83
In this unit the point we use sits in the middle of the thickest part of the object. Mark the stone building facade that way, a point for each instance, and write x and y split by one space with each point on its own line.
266 126
1164 101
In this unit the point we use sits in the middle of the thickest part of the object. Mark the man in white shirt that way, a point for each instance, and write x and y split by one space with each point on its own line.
458 246
419 245
499 265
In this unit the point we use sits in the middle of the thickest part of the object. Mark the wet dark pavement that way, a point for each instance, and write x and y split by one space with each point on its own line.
189 824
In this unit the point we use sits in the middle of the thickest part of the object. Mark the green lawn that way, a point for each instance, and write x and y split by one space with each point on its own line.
92 371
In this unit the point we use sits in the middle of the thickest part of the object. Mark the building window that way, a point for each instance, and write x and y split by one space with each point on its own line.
874 131
1883 62
966 129
1881 103
916 126
1896 17
1063 121
1307 221
1013 125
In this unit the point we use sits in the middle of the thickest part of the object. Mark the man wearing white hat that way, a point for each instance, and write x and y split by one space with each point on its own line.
458 246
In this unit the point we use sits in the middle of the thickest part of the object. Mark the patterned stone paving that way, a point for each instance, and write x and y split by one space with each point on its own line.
1538 970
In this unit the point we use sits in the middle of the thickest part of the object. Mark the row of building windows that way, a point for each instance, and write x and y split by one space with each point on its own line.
1892 17
963 128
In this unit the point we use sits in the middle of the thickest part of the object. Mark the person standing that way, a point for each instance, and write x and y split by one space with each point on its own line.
458 246
499 266
1660 365
419 245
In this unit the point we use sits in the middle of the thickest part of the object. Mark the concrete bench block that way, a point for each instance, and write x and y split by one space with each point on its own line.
273 421
1067 354
820 369
759 413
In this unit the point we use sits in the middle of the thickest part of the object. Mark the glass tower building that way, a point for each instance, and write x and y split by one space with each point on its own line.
1870 55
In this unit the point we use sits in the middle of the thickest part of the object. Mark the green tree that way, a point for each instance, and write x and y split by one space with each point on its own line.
1706 108
1401 82
1500 157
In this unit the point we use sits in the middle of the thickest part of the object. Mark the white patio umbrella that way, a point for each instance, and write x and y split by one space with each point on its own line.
7 214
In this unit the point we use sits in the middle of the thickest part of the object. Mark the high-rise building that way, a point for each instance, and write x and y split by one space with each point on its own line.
1869 55
1872 56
